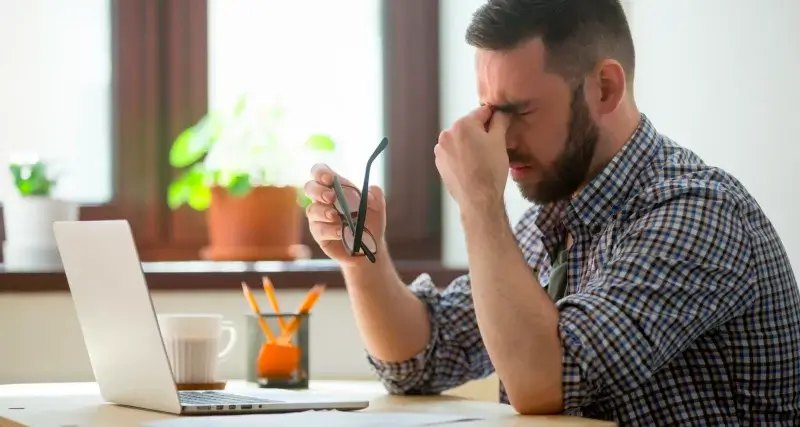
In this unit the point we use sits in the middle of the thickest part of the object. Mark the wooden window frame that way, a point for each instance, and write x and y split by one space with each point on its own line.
160 86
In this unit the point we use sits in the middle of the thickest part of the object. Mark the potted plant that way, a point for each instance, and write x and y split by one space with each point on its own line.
28 216
241 169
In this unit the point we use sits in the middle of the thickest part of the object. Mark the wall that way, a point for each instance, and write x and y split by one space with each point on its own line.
40 339
718 76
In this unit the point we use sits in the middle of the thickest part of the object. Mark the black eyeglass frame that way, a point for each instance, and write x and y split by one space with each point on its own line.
347 218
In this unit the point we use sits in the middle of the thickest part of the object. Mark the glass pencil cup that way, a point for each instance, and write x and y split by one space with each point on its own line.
283 363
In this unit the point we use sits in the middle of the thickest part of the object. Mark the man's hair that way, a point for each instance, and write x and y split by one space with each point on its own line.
576 33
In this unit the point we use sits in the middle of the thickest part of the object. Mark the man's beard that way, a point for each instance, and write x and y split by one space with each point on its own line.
569 171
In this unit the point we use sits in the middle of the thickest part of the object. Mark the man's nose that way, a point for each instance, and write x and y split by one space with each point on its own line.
512 139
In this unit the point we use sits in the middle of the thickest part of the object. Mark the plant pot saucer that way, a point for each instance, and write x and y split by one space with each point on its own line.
264 253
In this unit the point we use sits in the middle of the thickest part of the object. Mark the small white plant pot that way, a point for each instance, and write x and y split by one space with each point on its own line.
29 240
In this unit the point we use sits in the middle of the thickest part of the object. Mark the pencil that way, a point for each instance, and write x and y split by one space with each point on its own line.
273 300
254 306
311 298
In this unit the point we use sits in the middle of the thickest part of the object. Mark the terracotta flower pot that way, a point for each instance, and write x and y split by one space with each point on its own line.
264 225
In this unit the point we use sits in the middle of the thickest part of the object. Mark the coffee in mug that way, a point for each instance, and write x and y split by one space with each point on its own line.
193 343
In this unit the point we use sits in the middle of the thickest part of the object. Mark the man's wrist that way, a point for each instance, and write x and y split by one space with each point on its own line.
362 261
490 212
361 267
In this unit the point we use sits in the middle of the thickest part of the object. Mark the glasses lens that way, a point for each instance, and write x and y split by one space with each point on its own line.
366 238
352 198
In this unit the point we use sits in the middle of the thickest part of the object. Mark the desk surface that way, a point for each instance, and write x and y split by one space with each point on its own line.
80 405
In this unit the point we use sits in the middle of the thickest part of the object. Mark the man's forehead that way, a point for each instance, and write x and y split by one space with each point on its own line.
513 75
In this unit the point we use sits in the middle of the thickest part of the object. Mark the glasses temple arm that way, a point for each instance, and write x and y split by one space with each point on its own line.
362 208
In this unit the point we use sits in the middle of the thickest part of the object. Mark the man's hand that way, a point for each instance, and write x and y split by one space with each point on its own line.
471 158
326 224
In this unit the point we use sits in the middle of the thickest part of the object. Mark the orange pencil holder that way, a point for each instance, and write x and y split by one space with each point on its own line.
282 364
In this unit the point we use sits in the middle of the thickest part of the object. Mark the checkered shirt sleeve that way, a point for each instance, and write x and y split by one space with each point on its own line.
455 354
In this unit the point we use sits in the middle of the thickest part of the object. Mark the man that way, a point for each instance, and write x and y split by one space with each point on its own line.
643 286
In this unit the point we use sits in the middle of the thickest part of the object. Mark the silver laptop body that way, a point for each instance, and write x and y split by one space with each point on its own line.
123 339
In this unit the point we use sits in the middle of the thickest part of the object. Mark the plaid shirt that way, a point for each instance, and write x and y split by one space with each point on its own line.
681 305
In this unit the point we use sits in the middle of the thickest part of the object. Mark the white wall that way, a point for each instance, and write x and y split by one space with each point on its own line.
40 338
718 76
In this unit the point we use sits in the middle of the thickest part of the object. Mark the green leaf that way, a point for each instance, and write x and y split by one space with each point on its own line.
320 143
16 172
241 104
240 186
185 186
177 194
193 143
25 188
200 197
303 201
180 155
31 179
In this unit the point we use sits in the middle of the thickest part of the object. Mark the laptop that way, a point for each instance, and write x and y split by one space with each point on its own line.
123 339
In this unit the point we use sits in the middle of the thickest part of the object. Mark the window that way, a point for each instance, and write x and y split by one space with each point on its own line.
377 75
57 100
322 60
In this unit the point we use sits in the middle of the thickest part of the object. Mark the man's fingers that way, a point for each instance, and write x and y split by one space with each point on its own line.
477 120
481 114
323 174
498 123
322 212
319 193
324 231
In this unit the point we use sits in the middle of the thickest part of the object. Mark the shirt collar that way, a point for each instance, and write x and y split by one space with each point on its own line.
600 199
596 203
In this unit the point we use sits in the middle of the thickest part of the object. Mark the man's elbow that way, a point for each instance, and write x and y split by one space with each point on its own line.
545 401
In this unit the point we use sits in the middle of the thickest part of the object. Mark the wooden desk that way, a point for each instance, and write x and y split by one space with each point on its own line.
80 405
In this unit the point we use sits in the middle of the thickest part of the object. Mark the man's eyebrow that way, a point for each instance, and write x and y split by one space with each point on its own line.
511 106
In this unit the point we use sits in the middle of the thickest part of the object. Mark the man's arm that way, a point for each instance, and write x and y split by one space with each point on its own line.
393 323
680 270
419 340
517 319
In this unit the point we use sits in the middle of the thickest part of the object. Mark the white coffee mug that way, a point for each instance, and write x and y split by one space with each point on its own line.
192 342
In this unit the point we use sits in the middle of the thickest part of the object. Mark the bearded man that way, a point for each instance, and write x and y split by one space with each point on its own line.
643 286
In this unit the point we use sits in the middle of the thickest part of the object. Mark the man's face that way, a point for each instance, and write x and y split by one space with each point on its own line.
551 138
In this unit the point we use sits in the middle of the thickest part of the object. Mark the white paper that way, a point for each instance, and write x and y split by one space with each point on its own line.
318 418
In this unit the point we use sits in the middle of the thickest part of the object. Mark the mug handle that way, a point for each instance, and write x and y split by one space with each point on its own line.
227 325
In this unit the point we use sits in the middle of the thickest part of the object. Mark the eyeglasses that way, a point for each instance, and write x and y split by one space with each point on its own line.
356 238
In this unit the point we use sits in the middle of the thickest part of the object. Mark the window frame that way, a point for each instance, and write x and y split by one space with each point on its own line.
135 126
160 86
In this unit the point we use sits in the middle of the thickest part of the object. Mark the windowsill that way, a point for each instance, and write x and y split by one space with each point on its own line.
212 276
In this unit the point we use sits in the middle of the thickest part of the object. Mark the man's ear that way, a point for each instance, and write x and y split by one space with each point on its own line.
607 86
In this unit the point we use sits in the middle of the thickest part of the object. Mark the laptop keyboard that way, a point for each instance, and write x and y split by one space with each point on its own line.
217 398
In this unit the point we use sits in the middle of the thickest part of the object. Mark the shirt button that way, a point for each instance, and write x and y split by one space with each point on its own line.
596 229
